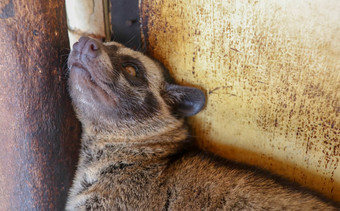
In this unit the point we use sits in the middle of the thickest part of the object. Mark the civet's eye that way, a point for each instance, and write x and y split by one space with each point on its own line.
130 68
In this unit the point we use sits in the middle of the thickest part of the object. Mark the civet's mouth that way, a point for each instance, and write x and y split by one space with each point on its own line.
76 66
85 74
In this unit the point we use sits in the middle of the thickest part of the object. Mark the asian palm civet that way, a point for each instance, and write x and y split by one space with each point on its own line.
137 153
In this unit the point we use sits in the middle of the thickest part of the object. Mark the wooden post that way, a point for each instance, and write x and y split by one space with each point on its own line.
86 18
38 130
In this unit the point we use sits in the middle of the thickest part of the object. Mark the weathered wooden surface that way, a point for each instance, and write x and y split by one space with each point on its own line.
38 130
271 71
85 18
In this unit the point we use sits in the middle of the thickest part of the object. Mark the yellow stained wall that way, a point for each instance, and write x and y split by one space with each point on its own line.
271 72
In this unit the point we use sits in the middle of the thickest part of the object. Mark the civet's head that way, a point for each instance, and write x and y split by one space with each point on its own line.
114 86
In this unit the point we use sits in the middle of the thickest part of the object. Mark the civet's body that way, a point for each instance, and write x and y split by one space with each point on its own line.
137 153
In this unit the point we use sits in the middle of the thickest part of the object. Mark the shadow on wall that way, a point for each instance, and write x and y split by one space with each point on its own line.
293 172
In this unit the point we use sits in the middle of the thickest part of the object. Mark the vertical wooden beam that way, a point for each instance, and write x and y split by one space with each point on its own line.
86 18
38 130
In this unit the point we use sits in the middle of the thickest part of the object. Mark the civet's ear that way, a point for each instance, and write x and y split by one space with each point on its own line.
185 101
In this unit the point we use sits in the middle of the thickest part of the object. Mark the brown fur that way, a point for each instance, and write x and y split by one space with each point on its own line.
137 153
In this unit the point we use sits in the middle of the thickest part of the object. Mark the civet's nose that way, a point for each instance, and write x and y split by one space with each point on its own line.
87 46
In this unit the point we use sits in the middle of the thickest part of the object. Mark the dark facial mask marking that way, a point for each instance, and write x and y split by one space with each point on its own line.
140 79
135 110
151 101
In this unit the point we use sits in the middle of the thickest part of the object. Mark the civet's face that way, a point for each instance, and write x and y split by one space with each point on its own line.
113 84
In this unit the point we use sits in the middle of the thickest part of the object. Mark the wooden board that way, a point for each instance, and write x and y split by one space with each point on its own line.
39 133
85 18
271 72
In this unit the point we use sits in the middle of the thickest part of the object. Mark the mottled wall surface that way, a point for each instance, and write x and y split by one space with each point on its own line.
271 71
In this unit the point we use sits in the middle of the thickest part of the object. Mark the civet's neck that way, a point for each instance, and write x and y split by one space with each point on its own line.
159 146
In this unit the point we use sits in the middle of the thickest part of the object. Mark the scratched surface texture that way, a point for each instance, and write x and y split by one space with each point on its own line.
271 72
38 130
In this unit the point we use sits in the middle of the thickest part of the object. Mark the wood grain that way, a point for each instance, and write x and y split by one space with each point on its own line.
85 18
39 132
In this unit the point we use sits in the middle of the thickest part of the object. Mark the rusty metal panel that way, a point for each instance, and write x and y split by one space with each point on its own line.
38 130
271 71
